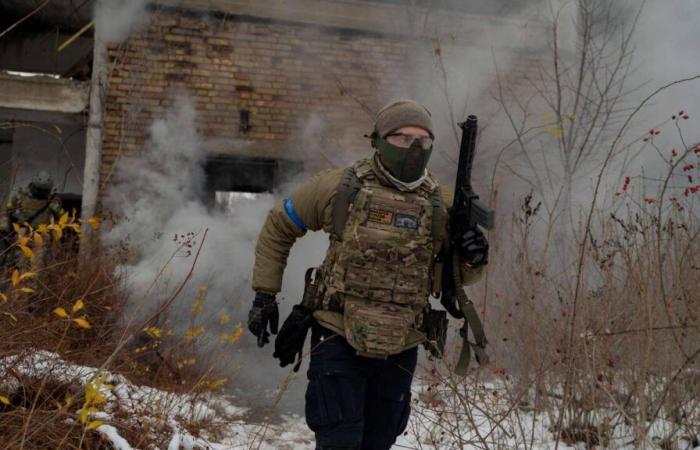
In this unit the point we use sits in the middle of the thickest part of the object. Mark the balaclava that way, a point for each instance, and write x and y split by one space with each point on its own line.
404 164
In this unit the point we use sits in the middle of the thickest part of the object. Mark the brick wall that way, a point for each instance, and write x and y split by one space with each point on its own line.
307 88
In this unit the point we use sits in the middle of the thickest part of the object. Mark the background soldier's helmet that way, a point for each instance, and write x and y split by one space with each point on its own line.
41 185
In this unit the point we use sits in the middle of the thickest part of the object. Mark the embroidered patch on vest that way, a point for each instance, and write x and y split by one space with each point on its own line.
383 216
406 221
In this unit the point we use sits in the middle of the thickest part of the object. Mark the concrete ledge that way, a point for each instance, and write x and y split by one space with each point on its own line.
43 94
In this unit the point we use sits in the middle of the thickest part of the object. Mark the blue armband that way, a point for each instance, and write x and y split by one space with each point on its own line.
292 214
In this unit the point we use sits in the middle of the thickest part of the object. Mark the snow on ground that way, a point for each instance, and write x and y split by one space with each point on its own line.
440 420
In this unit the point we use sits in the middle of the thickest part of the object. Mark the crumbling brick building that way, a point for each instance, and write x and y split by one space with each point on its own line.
280 85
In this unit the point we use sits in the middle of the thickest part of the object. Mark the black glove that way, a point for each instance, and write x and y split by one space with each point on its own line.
264 311
472 248
289 344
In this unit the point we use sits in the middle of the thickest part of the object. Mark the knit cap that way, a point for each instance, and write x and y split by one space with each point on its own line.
402 113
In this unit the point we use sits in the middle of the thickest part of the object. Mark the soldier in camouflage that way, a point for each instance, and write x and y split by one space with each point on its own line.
37 204
387 221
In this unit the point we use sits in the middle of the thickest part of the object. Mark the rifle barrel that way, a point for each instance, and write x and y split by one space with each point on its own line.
466 153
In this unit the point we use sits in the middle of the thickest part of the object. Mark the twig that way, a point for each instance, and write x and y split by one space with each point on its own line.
20 21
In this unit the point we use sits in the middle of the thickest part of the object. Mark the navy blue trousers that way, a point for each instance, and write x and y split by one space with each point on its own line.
355 402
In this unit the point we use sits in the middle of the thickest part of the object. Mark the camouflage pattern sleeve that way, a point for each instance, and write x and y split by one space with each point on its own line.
309 207
469 276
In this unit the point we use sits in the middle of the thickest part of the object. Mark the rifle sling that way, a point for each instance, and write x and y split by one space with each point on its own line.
471 319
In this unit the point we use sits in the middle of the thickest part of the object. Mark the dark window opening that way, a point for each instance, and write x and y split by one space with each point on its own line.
231 179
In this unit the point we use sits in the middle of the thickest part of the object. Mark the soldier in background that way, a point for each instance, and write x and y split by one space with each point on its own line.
35 205
387 220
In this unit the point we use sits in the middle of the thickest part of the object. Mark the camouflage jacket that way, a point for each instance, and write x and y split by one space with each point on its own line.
313 204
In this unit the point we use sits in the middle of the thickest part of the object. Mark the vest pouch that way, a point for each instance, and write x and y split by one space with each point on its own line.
357 279
376 329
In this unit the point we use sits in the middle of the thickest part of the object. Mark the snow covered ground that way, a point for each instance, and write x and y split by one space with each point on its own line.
438 422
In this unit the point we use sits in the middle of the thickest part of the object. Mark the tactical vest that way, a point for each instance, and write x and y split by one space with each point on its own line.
378 268
34 210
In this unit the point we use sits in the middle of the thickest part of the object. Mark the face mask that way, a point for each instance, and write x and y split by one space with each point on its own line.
404 164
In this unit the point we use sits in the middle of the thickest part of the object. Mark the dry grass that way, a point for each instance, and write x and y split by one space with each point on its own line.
42 410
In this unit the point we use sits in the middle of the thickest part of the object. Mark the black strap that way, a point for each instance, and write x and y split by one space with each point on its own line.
435 199
348 188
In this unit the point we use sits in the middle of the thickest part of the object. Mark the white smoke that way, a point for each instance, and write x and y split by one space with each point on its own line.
115 20
158 195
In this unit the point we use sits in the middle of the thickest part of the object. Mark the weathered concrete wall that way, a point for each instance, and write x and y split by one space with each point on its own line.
37 146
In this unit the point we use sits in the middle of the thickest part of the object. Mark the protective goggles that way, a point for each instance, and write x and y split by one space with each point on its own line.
406 140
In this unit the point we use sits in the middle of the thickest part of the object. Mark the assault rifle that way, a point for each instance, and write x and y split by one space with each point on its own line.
467 212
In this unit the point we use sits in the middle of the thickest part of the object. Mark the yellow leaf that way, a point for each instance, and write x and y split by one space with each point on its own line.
94 222
57 230
4 400
94 424
42 228
224 319
23 240
68 399
38 240
82 323
85 411
11 316
15 278
235 335
64 219
31 228
74 226
26 290
78 305
3 297
26 275
27 251
60 312
154 332
58 129
193 333
16 228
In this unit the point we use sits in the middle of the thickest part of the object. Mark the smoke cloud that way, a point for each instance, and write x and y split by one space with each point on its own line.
159 196
115 20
